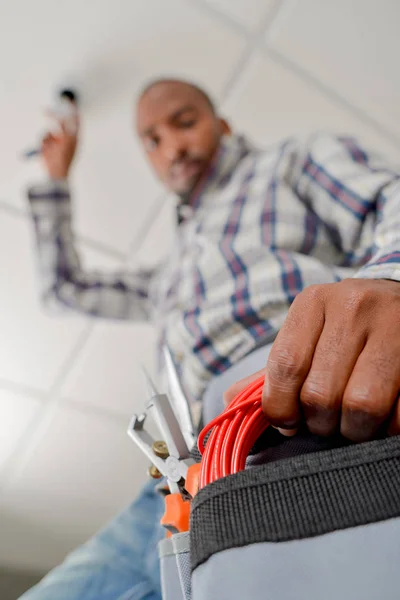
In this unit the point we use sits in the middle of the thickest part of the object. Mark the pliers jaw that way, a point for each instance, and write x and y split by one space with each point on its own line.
174 462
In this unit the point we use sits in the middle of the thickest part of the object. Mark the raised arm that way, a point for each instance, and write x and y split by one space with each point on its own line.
63 280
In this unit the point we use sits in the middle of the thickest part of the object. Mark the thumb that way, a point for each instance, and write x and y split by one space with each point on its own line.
237 387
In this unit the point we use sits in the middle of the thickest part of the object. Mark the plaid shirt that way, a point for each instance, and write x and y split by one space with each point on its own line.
265 225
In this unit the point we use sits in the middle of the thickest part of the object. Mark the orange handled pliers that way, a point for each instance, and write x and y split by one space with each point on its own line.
170 455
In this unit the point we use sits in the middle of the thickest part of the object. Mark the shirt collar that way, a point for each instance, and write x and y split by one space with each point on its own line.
231 151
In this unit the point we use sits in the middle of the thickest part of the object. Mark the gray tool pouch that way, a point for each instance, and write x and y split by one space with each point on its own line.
321 526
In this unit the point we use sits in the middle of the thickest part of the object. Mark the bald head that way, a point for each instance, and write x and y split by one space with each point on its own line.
180 131
183 84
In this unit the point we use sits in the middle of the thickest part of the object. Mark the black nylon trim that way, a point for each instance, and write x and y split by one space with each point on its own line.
297 498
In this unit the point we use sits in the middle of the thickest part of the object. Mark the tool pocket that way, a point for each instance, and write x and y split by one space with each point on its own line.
175 563
319 526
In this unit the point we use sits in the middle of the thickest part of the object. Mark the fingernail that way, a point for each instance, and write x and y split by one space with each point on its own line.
287 432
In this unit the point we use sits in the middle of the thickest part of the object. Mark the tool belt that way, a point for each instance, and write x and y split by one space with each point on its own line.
295 524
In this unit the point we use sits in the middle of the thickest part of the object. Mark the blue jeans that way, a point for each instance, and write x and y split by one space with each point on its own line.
119 563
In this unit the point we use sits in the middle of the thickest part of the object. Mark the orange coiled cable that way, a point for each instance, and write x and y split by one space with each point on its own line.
232 435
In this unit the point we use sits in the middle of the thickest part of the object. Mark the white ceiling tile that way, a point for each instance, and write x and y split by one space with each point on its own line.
17 411
272 103
108 372
248 14
33 346
352 47
94 259
115 48
83 472
113 186
13 188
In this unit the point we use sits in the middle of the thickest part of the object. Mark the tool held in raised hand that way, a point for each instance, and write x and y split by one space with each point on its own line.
65 109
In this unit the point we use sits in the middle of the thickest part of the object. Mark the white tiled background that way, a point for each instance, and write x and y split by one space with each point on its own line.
69 385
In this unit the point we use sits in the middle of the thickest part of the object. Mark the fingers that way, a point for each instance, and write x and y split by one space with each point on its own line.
394 426
372 390
48 138
291 357
336 362
240 385
337 351
67 126
48 142
237 387
59 123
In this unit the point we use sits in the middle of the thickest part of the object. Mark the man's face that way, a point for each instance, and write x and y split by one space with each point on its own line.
180 134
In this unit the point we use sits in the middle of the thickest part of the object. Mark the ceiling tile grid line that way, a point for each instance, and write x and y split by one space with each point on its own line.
26 388
104 247
19 462
351 48
221 17
136 244
266 18
26 446
22 388
96 245
51 401
262 45
97 343
332 94
12 210
253 43
100 247
48 398
254 39
286 8
18 459
146 229
352 123
112 416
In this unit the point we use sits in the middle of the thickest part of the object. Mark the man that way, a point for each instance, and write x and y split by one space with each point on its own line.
310 226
